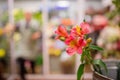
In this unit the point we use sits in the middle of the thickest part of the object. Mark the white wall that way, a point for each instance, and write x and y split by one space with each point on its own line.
28 4
3 4
96 4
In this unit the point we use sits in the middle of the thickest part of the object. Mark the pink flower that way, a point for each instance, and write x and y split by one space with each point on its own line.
81 30
75 40
99 22
75 45
61 32
85 28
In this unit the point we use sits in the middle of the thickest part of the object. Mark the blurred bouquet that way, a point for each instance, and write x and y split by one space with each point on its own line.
77 41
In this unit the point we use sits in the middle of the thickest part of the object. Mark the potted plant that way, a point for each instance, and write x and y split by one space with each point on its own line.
78 42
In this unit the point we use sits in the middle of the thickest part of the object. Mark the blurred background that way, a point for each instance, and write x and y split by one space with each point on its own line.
28 49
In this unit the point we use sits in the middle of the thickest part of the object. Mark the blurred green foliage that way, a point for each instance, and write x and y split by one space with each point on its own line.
4 18
39 60
116 10
38 16
19 14
117 5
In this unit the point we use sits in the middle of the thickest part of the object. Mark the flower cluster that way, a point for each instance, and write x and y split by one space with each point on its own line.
75 40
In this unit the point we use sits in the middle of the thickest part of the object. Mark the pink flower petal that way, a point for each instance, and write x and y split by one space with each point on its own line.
61 31
70 50
73 31
85 28
68 40
79 51
82 42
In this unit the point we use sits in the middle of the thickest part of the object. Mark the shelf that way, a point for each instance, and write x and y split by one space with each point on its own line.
87 76
108 60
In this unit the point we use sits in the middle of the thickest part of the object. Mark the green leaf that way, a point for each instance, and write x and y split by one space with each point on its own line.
89 56
95 47
97 68
82 57
100 63
80 71
84 20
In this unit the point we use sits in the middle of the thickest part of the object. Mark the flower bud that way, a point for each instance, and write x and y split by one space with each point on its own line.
62 38
89 40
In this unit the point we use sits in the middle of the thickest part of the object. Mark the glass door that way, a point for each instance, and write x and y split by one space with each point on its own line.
61 12
28 36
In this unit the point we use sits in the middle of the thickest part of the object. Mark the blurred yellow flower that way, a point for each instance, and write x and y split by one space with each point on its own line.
15 12
2 53
1 31
54 52
17 37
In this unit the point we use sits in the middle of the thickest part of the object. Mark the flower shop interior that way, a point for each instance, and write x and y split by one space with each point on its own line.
36 54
